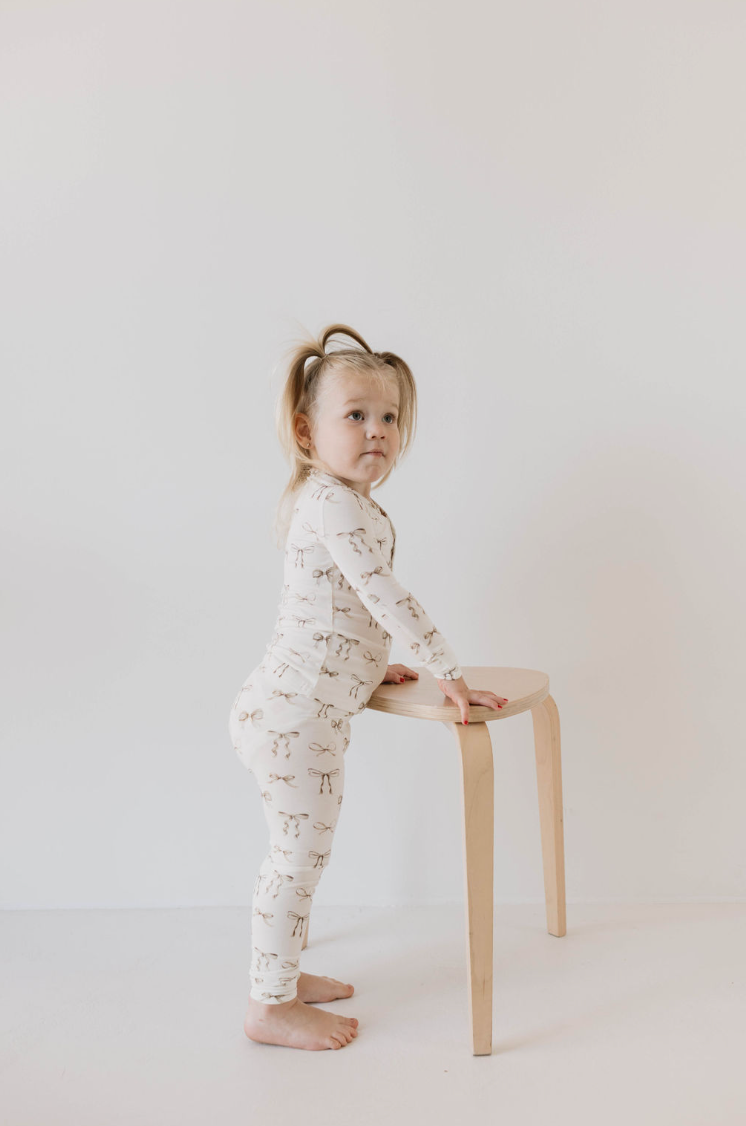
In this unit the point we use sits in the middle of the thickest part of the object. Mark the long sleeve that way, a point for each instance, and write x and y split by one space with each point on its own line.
349 535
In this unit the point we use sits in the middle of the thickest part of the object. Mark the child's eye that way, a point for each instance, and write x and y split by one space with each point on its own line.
388 415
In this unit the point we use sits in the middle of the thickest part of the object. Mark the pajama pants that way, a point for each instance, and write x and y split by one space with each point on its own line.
294 746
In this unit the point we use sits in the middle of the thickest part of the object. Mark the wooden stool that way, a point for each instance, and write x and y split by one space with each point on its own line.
524 688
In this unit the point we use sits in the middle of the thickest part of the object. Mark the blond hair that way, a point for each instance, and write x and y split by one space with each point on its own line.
309 368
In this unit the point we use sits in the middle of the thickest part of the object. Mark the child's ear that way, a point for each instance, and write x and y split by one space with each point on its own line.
302 431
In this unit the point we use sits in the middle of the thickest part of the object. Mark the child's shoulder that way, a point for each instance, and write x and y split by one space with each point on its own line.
332 499
324 488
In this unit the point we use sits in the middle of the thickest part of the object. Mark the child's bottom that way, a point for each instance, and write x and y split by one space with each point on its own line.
295 747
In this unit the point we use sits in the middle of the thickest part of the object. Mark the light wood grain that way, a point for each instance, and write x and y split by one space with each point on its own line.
478 797
551 821
423 699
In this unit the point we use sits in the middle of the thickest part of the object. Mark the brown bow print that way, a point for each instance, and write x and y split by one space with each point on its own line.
328 774
322 828
298 919
348 641
319 750
282 737
276 692
302 622
356 687
300 597
367 575
300 553
359 533
279 876
296 817
287 778
409 600
320 857
262 957
257 714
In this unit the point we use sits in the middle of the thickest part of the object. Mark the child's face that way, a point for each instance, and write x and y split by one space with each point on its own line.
356 414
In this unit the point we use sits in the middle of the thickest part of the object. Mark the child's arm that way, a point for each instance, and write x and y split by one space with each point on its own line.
350 537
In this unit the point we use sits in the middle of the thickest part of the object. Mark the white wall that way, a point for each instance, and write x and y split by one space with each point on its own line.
540 206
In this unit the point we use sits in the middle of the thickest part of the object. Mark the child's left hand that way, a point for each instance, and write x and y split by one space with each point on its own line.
397 674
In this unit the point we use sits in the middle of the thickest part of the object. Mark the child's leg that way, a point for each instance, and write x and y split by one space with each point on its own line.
295 749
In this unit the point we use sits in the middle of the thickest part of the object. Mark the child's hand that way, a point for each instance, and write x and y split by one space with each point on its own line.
396 674
462 695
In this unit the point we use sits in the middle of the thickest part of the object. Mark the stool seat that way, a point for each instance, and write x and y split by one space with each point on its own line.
423 699
526 690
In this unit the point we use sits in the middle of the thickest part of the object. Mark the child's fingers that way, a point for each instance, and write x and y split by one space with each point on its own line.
488 700
462 703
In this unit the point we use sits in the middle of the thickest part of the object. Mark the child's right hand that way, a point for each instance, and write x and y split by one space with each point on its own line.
462 695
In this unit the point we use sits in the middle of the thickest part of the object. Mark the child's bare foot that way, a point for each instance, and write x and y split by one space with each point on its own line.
311 987
295 1025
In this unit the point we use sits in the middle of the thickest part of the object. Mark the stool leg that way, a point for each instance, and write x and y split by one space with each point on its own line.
478 792
549 782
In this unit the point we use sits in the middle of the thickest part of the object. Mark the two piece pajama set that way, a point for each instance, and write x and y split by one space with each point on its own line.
340 607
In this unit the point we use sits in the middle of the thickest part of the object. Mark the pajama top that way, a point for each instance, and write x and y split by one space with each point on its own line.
341 604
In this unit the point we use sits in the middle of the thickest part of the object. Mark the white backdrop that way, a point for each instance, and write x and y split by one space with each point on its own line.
540 207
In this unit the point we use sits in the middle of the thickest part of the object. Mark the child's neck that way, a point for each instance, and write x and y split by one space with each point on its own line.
362 487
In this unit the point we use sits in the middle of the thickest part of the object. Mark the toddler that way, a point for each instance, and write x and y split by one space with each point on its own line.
344 418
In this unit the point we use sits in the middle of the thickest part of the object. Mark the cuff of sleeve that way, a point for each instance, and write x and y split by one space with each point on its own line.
453 672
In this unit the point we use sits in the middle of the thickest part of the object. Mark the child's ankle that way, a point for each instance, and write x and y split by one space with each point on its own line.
280 1005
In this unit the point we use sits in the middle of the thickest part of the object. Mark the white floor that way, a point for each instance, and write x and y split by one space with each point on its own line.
635 1016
